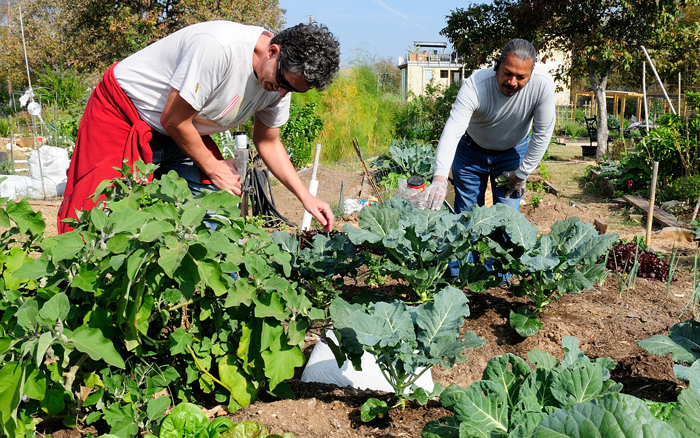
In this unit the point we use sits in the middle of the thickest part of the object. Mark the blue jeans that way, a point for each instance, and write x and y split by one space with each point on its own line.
471 169
168 156
473 166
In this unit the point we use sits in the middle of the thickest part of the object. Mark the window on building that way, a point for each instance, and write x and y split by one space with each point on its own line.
428 75
444 74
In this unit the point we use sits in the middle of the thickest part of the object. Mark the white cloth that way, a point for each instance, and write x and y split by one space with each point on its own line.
499 122
53 167
211 64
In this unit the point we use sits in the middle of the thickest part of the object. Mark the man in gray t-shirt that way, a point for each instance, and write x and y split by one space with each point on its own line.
486 134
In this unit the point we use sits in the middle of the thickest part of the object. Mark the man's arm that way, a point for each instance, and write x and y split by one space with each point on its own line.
177 119
272 151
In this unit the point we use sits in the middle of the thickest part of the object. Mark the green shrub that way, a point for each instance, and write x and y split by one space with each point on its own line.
300 131
5 126
684 189
573 130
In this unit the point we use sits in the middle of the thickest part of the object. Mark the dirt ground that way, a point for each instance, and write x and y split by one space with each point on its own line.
607 321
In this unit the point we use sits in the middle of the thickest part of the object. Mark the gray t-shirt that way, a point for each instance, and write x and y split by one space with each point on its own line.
498 122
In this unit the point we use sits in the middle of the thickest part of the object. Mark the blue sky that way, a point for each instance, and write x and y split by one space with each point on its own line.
385 28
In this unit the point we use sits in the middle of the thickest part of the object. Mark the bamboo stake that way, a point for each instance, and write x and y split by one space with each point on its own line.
652 199
644 90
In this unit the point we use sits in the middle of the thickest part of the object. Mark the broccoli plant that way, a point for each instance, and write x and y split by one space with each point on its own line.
563 261
419 244
406 341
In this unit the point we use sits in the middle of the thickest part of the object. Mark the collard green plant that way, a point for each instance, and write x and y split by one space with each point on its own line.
683 342
406 341
320 268
146 278
511 399
626 415
563 261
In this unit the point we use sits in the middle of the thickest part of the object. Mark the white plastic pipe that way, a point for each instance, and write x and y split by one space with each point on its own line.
313 188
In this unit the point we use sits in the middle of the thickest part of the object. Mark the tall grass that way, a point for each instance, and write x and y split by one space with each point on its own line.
359 104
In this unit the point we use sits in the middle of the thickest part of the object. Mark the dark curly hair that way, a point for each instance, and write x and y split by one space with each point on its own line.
309 49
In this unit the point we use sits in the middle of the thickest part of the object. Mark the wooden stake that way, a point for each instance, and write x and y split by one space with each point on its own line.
652 199
375 189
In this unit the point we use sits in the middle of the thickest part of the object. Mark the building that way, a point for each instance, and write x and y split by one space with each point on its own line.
428 62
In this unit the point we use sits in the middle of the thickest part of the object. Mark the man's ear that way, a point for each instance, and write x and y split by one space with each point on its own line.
273 50
495 67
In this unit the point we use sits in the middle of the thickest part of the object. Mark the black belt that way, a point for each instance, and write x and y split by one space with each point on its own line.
471 144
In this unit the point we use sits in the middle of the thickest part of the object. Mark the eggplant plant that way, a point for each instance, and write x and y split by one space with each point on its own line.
139 299
321 267
406 341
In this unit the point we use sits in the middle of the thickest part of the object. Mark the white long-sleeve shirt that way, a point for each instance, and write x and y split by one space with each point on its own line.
499 122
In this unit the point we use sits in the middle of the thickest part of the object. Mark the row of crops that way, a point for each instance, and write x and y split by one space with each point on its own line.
158 299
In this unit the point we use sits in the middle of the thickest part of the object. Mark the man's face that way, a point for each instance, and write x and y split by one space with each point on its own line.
513 74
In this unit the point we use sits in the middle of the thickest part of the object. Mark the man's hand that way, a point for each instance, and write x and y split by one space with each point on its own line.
226 177
436 193
515 185
320 210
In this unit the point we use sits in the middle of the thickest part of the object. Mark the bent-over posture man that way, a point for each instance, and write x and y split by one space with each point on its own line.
161 103
486 134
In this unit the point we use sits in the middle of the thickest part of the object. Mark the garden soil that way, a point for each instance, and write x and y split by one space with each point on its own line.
607 320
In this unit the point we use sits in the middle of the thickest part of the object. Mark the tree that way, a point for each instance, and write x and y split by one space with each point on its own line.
598 35
89 35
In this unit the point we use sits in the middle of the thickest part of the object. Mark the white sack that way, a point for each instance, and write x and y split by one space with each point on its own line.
15 186
322 367
54 165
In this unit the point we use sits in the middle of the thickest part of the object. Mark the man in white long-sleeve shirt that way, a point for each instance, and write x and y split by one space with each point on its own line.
487 133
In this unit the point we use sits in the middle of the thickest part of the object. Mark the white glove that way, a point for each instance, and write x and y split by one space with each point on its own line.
515 185
436 193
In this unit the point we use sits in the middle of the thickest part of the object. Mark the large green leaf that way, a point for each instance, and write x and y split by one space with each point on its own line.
92 342
685 417
281 361
617 415
577 384
11 376
443 317
28 221
482 408
56 308
243 390
683 342
387 324
525 322
127 220
509 371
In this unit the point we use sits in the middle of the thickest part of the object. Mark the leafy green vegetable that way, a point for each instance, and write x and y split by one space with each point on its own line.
140 300
419 244
683 342
320 268
372 409
511 400
408 157
563 261
405 341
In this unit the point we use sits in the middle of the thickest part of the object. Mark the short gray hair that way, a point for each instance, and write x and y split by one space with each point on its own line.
521 49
